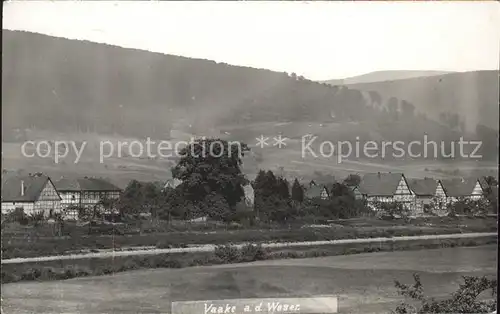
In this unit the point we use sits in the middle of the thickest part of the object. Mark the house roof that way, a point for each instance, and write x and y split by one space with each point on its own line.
314 191
380 184
459 187
172 183
33 186
353 187
483 182
248 188
65 184
85 184
423 187
329 186
326 180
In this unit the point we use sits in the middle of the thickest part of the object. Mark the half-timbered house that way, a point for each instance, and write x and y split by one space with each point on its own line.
428 192
84 193
384 188
465 188
33 194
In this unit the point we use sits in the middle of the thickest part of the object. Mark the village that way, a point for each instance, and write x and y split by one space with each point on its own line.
38 194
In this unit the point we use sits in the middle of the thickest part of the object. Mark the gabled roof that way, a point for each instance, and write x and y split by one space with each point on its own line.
323 181
65 184
85 184
329 186
380 184
353 187
484 184
172 183
248 188
482 181
33 186
459 187
314 191
423 187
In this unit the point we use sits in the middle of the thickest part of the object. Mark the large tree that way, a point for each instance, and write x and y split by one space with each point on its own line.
339 189
209 167
297 192
352 180
131 200
283 188
153 198
272 197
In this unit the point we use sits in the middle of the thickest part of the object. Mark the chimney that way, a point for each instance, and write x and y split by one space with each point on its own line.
22 188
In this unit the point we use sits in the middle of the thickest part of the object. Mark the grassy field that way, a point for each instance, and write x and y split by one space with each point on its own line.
121 170
364 283
32 242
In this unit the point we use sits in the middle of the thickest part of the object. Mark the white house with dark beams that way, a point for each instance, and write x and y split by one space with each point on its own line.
385 188
465 188
33 194
427 192
84 193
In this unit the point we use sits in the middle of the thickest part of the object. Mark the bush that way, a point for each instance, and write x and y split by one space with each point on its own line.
37 218
234 226
227 253
205 260
163 245
31 274
468 207
9 277
464 300
392 210
18 216
251 252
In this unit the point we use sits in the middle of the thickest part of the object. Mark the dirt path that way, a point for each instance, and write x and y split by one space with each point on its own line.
211 247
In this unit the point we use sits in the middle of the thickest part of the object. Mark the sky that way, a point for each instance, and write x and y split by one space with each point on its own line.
319 40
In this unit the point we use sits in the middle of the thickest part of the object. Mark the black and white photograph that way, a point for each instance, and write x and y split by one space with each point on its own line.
213 157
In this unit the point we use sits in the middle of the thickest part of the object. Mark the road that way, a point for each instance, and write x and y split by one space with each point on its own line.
211 247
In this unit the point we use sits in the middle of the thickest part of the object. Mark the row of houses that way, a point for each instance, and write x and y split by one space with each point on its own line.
391 187
36 193
414 193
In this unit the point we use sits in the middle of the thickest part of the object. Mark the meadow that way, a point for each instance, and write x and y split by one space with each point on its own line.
364 283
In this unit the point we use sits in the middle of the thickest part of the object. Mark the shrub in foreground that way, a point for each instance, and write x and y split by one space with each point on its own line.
252 252
464 300
227 253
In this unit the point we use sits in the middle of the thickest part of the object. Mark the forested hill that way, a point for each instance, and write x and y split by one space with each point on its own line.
383 76
449 98
66 85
